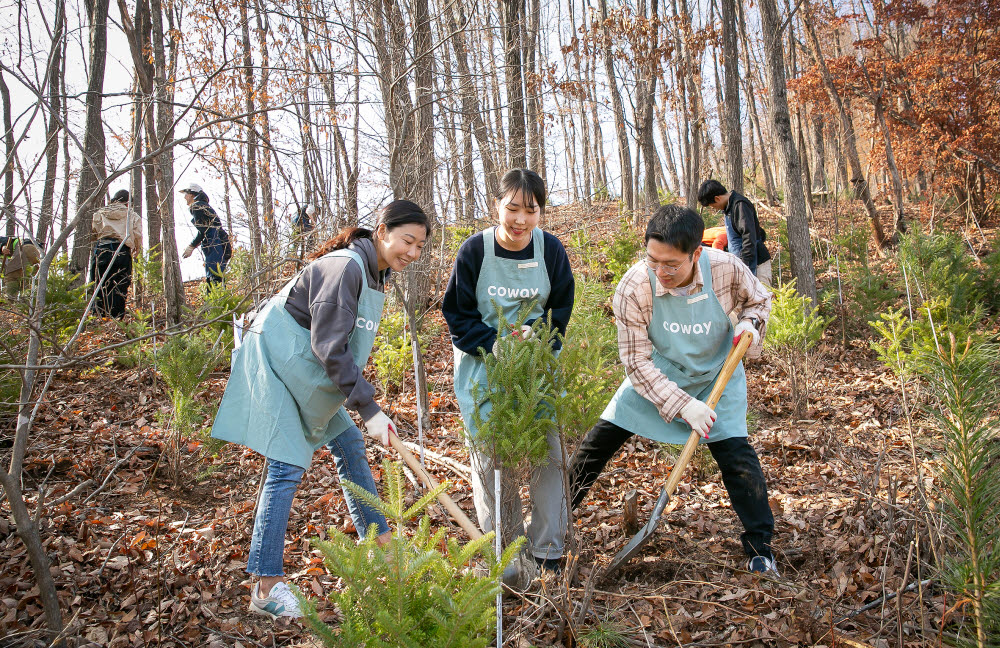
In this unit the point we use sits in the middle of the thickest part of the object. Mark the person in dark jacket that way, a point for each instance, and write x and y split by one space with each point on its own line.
746 237
298 371
212 237
117 236
303 226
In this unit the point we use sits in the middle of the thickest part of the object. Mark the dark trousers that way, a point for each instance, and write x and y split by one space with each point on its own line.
112 295
741 474
217 258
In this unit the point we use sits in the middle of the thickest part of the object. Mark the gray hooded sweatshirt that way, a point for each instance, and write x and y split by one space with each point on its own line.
324 300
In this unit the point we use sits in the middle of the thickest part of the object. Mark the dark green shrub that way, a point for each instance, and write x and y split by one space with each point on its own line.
622 251
940 267
988 283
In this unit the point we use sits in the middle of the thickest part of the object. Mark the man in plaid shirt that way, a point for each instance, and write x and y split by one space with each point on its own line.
674 332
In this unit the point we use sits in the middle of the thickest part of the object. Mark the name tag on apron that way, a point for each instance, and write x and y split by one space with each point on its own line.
522 266
695 300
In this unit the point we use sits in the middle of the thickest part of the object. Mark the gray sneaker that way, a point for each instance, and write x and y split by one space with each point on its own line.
279 602
520 572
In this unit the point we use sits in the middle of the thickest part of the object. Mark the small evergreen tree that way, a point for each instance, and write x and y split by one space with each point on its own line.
183 362
963 380
794 328
408 593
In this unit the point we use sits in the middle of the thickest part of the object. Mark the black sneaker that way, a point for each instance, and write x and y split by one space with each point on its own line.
553 565
763 565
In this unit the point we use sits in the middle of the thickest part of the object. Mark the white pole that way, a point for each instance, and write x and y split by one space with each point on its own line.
497 543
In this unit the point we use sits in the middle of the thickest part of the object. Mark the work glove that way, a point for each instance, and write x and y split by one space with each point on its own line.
188 251
526 333
379 426
743 326
699 416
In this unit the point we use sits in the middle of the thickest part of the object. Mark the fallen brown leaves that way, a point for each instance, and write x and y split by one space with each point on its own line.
142 564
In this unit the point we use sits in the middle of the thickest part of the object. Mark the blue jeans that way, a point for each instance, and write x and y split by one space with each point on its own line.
267 546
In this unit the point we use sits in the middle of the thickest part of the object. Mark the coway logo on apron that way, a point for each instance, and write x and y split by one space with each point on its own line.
516 293
366 324
702 328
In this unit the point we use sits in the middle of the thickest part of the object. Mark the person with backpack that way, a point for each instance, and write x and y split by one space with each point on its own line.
117 236
17 255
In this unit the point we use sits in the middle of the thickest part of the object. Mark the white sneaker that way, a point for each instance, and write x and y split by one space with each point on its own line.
279 602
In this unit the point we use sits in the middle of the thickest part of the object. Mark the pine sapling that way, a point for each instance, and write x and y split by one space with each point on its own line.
962 376
408 592
793 330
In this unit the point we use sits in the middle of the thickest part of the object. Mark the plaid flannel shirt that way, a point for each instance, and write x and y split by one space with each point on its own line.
738 291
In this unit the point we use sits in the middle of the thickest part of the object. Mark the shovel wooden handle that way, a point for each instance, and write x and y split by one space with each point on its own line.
449 504
728 367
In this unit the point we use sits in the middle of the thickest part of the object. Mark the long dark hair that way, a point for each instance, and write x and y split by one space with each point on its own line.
526 182
395 214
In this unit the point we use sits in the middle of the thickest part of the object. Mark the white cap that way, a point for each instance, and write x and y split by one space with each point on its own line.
191 187
311 210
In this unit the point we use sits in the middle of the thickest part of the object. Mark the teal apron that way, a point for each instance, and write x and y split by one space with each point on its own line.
279 400
691 337
511 283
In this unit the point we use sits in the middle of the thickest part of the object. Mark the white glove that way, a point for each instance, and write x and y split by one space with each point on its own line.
741 328
699 416
188 251
526 333
379 427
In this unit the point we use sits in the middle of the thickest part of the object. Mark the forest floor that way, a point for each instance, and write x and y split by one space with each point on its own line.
154 560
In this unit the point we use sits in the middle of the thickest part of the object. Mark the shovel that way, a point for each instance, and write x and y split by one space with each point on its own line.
646 532
456 513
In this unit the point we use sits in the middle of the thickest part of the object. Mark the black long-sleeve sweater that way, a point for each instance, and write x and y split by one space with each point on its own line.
469 332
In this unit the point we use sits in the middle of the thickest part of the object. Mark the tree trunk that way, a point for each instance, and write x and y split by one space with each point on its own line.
646 97
423 77
92 169
732 134
472 112
513 12
29 533
624 155
173 285
800 249
263 92
755 125
600 160
256 241
819 148
536 116
897 183
858 181
8 169
57 68
135 181
668 153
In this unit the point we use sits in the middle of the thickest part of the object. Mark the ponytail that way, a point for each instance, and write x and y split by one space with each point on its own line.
343 239
395 214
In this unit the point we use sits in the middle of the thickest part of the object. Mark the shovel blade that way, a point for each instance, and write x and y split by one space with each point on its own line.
641 538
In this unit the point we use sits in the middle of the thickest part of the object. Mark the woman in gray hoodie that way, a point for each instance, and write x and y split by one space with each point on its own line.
297 372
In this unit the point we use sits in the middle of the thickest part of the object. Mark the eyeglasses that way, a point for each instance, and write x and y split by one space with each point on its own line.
663 267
